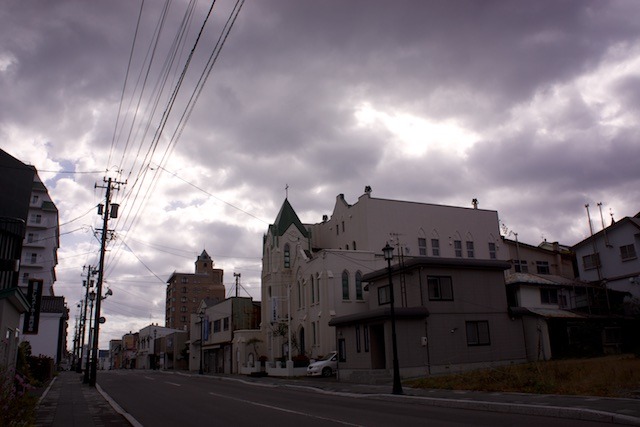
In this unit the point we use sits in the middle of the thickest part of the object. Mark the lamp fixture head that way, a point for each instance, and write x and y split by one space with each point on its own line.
388 252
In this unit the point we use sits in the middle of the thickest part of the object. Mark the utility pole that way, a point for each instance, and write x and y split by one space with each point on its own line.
237 276
109 211
88 284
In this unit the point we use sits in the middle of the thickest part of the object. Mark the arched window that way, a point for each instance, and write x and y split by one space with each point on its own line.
359 295
345 285
313 289
287 256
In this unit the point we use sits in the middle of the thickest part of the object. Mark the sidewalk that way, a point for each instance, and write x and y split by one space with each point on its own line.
69 402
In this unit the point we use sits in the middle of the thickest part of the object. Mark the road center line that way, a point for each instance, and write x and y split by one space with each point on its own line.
277 408
150 378
177 385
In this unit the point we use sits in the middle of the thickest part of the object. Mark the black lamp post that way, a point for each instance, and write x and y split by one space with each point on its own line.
201 316
397 386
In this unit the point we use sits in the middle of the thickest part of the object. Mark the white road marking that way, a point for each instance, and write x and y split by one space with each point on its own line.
277 408
177 385
150 378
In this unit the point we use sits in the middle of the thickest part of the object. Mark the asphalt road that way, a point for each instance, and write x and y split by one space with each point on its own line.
159 399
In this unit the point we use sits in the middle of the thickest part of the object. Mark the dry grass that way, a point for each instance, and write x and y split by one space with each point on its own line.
611 376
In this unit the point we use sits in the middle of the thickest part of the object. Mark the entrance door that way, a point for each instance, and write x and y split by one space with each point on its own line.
378 353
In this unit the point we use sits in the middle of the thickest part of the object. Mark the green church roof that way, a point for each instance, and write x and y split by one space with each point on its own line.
285 218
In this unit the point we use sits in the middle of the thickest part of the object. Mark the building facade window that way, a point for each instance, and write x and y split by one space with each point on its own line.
345 285
34 258
314 333
440 288
358 347
470 250
354 245
435 247
384 295
457 247
422 246
591 261
492 250
216 325
542 267
183 309
628 252
366 338
359 294
478 333
313 289
342 350
25 277
549 296
225 324
184 280
318 288
520 266
287 256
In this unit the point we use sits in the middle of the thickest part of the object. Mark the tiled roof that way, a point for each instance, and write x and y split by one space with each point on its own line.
52 305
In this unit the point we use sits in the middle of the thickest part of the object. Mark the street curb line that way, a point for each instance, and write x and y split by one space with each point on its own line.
46 391
118 408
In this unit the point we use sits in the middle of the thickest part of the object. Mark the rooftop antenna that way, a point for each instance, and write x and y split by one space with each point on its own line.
604 229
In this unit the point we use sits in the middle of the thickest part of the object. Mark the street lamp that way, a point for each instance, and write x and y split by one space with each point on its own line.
92 298
397 386
201 316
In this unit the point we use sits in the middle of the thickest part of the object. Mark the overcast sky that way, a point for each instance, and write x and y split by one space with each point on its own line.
530 107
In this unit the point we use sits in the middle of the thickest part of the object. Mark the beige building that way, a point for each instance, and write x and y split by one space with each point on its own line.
185 291
313 273
217 325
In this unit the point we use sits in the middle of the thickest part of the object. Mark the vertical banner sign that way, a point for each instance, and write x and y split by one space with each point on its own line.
32 317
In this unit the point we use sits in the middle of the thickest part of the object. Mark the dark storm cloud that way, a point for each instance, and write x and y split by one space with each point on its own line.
548 91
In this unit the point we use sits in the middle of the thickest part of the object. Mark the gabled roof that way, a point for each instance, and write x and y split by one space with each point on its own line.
204 255
635 221
285 218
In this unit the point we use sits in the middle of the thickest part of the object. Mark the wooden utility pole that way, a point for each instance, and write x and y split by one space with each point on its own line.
109 211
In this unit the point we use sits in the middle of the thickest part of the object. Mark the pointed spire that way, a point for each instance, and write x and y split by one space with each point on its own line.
285 218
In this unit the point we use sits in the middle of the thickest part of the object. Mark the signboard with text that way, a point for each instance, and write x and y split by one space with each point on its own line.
32 317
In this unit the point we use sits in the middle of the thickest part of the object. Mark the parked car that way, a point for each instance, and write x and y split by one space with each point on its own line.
326 366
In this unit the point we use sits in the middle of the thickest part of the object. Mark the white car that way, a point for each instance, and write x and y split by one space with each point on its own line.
325 367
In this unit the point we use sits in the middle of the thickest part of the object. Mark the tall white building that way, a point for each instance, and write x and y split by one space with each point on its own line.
42 239
313 273
38 261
